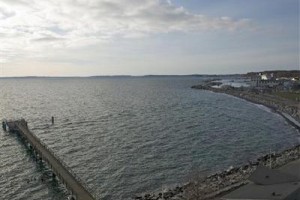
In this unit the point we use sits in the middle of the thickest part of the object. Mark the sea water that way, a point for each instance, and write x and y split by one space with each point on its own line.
128 135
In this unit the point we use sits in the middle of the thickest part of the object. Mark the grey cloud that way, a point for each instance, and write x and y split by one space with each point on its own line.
114 17
86 22
4 14
15 2
3 35
47 39
108 6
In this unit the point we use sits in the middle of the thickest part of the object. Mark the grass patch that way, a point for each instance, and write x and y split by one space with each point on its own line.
288 95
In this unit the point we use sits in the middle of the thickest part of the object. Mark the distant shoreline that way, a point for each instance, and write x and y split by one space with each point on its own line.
289 113
295 71
234 177
126 76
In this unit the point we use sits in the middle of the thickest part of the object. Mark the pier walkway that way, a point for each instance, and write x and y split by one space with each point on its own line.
68 178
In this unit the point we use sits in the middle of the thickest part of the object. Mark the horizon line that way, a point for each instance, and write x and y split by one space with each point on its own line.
108 76
146 75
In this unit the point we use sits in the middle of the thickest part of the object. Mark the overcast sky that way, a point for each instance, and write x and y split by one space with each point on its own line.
138 37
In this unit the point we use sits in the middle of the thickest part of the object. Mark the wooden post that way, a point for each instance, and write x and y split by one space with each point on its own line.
4 125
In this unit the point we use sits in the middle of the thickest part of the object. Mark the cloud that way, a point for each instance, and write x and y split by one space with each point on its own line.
4 13
47 39
73 23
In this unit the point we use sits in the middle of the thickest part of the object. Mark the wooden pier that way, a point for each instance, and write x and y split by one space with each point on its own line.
60 169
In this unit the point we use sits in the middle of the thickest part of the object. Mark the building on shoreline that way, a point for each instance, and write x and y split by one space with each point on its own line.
265 81
268 82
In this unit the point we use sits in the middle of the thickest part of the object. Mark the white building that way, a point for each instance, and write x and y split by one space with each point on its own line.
263 81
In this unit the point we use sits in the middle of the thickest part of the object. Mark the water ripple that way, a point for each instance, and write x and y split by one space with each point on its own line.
130 135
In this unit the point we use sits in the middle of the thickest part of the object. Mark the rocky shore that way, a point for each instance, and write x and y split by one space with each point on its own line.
219 183
275 103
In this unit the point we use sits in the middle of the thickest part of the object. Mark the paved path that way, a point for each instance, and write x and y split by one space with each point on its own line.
284 190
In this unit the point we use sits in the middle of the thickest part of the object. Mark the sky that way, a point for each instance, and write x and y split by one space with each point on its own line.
142 37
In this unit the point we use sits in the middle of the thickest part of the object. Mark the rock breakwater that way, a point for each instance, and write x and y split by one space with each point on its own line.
216 184
221 182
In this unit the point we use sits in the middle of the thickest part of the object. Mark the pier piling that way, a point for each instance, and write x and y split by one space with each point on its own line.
42 152
4 126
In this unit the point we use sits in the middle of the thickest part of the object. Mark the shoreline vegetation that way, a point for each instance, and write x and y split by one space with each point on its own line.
277 104
218 184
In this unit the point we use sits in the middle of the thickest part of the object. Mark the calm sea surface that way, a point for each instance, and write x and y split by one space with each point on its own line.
126 136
